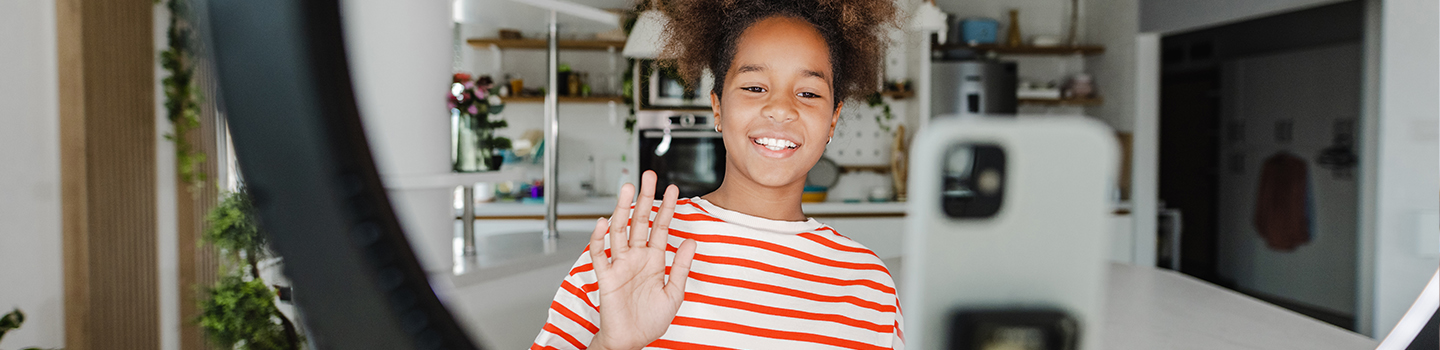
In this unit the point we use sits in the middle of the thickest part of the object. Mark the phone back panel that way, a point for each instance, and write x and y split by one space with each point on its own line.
1046 246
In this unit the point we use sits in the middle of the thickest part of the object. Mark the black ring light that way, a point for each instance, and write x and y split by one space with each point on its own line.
285 81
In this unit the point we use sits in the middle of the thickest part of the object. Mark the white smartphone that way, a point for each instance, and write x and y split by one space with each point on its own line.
1006 233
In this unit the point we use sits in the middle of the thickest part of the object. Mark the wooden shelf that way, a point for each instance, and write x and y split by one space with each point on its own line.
563 99
1094 101
898 95
883 169
1029 50
540 44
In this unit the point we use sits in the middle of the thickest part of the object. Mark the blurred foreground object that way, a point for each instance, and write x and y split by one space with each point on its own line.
1006 228
305 158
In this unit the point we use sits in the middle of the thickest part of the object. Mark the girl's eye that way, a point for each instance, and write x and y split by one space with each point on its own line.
809 95
753 89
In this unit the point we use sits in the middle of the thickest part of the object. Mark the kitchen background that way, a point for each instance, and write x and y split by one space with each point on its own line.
1258 75
1276 75
596 152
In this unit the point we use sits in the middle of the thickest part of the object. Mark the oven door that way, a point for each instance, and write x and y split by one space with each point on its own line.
694 160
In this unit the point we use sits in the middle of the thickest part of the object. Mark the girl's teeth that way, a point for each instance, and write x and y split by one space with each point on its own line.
774 144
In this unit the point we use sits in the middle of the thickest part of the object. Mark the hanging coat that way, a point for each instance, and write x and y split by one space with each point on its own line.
1282 208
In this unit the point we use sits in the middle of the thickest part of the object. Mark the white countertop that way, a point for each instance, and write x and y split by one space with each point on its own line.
513 253
1149 308
598 207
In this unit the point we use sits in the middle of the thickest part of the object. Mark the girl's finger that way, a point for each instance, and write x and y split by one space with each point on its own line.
597 247
640 220
680 270
660 234
618 240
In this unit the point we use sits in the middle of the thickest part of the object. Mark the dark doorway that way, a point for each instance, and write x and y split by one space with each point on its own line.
1189 162
1236 95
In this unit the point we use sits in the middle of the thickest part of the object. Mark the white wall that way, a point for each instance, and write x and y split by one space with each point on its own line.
1402 187
30 240
400 62
1311 88
167 234
1113 24
1172 16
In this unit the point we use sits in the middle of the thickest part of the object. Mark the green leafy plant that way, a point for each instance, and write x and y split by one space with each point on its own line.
182 94
885 117
12 321
627 90
242 314
231 228
239 311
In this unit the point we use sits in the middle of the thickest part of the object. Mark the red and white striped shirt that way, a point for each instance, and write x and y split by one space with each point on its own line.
754 284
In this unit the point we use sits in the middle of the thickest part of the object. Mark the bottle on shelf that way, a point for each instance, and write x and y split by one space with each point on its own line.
1012 36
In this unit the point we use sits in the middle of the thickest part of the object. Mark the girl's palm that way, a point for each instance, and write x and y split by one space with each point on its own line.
636 302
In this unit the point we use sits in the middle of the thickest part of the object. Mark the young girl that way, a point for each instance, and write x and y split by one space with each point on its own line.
743 267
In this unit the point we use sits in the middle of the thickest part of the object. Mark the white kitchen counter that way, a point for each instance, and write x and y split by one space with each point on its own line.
1149 308
509 242
507 234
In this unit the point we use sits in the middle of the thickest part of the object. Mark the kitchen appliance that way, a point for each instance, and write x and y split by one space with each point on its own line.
662 89
682 148
972 87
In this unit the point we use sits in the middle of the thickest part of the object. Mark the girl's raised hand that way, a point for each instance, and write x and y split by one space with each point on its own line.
636 302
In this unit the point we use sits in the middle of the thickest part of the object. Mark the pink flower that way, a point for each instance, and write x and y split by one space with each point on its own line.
459 77
473 110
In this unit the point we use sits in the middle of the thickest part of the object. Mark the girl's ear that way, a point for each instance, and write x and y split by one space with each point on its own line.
715 107
835 119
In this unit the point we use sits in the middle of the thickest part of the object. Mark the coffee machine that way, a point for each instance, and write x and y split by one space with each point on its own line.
972 87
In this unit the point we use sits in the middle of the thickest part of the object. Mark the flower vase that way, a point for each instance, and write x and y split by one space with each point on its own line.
493 164
464 138
479 143
485 152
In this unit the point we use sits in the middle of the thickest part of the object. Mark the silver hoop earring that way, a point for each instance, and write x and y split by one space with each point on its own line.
717 128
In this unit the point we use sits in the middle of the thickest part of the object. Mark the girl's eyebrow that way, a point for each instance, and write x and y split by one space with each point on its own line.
812 73
746 68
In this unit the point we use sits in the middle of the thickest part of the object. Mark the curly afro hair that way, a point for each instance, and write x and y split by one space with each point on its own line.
703 34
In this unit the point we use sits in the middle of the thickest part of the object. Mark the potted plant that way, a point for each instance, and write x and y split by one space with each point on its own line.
239 311
472 103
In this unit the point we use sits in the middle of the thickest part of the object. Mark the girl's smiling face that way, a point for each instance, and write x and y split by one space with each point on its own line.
778 109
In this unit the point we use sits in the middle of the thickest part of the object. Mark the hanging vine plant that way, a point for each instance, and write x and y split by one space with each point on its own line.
182 94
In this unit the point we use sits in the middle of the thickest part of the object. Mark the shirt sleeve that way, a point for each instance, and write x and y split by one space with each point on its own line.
574 312
899 342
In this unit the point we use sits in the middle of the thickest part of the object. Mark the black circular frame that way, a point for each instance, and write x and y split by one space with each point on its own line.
286 87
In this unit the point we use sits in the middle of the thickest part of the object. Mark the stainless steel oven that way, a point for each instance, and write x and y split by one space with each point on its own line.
682 148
